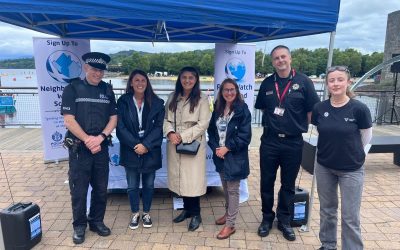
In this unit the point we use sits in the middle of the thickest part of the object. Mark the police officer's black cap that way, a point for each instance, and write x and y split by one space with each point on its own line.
97 60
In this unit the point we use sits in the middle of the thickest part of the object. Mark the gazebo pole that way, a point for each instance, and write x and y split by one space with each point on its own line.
330 56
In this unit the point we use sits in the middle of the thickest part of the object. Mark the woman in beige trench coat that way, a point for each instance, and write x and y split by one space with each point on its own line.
187 173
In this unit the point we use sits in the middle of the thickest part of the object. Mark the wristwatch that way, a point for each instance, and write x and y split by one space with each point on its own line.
103 135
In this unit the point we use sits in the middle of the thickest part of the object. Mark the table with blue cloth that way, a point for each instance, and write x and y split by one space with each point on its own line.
117 176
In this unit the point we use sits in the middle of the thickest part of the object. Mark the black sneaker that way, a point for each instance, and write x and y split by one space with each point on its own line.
147 220
134 221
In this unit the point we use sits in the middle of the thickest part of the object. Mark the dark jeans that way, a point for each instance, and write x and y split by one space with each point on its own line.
286 153
192 205
86 168
133 179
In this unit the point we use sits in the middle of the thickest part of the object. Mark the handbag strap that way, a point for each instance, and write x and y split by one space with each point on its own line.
175 121
201 136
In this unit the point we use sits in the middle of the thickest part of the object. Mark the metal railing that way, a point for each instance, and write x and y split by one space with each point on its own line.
27 108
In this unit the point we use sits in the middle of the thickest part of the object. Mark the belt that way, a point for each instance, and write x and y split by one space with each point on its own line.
280 135
287 136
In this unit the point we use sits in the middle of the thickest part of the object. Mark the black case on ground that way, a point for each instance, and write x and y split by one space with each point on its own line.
21 226
300 207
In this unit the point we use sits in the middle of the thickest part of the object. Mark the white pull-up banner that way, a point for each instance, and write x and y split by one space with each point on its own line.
57 61
236 61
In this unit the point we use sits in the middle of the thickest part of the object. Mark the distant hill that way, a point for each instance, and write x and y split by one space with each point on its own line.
309 62
22 63
127 53
29 63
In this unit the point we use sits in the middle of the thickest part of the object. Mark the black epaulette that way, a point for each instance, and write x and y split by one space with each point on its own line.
75 79
107 88
76 84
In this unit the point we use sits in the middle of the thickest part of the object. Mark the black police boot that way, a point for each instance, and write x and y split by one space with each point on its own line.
263 229
183 216
79 235
287 231
100 229
194 223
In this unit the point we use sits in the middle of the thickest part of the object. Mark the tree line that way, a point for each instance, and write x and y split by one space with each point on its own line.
310 62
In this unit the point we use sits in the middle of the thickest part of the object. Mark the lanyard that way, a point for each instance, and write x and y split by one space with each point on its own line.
139 112
281 97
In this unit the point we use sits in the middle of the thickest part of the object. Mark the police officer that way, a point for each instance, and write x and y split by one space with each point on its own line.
286 99
90 115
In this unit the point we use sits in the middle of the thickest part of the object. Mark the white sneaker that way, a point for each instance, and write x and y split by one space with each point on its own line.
134 221
147 220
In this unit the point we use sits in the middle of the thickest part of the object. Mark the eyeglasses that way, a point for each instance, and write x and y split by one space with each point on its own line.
337 68
227 91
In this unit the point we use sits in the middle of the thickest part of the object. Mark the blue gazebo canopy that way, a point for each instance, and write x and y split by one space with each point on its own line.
208 21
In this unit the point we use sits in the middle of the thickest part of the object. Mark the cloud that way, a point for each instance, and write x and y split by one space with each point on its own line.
115 46
361 25
16 42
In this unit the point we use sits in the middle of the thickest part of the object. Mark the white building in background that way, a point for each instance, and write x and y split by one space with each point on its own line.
160 73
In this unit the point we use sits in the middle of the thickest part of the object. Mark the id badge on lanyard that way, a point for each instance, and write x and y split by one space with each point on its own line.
222 125
139 112
141 133
280 110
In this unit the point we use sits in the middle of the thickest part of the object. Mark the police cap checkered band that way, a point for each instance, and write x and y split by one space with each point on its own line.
96 60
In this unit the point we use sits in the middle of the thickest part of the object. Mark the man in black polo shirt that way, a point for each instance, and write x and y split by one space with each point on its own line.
90 115
286 99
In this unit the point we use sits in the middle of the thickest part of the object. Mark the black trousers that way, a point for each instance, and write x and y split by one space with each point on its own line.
86 168
192 205
287 153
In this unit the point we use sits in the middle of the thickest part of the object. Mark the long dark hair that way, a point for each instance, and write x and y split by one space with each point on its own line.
220 103
194 96
148 92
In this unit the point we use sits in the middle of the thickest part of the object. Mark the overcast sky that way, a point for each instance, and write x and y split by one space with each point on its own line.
362 25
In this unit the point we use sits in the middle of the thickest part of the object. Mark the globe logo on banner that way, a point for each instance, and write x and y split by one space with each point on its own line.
114 159
63 66
235 69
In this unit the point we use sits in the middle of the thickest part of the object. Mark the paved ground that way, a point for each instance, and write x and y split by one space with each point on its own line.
44 184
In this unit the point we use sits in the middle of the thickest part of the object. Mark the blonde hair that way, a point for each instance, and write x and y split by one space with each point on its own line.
344 69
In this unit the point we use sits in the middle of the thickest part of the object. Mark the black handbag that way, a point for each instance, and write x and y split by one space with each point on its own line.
187 148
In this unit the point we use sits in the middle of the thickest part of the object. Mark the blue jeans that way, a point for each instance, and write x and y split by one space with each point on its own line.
133 179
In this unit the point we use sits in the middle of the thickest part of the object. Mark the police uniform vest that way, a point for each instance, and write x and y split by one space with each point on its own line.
93 107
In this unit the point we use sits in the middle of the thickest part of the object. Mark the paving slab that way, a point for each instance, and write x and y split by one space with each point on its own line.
32 180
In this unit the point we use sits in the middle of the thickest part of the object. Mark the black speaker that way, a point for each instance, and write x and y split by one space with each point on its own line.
395 68
300 208
21 226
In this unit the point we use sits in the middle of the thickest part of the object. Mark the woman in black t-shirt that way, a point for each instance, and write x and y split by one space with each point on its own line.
345 128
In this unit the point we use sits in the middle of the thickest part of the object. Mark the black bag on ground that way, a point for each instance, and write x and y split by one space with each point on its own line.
188 148
300 208
21 226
